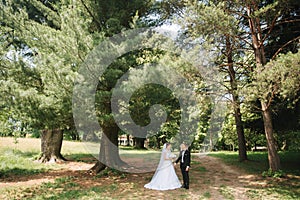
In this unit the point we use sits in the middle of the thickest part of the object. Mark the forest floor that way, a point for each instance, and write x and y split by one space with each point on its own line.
210 178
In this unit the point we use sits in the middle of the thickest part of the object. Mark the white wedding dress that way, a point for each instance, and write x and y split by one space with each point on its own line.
165 177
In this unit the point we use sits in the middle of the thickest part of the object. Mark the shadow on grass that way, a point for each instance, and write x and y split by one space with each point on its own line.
6 173
81 157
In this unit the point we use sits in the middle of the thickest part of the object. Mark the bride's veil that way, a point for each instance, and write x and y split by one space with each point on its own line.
162 159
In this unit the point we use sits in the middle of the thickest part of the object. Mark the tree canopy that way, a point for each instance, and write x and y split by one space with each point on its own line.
253 45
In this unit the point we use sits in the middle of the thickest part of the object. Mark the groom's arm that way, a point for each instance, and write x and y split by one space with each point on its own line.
188 160
179 157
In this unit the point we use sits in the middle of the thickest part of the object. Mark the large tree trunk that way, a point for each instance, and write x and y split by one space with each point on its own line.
109 151
51 142
240 133
128 140
158 140
139 143
236 103
260 58
274 161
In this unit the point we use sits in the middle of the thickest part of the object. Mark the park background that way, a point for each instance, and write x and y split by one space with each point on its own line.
253 46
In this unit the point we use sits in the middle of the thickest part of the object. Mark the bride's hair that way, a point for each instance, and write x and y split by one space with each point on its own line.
167 144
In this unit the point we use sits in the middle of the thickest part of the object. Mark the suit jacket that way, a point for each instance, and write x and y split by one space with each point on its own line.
186 158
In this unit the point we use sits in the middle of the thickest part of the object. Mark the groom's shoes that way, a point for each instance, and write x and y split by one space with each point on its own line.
184 186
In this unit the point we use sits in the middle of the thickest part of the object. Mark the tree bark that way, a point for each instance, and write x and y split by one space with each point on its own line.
273 157
128 140
139 143
260 58
109 150
51 142
236 103
157 142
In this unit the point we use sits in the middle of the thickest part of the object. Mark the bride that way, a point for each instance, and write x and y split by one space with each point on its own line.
165 177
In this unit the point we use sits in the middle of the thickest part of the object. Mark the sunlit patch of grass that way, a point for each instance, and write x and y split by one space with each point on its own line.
278 191
254 194
21 144
15 162
279 188
62 188
207 195
226 193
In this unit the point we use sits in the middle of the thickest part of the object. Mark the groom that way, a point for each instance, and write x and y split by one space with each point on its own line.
185 160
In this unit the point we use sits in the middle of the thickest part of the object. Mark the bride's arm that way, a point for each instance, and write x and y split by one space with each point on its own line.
166 156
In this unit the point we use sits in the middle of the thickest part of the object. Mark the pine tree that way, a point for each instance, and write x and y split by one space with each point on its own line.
46 43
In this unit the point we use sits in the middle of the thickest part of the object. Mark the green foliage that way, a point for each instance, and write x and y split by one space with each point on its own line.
276 174
223 28
278 78
209 19
42 69
113 16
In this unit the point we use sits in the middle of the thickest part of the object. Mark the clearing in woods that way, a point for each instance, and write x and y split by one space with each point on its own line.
210 178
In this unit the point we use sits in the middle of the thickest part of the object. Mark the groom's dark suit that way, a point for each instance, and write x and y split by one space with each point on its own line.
184 164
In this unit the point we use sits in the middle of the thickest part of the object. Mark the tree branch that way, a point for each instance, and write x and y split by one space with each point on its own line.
90 12
281 48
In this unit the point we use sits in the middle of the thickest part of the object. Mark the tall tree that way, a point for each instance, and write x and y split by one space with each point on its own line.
45 43
260 14
111 17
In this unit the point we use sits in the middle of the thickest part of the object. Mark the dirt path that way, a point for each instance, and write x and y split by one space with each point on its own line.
209 177
223 181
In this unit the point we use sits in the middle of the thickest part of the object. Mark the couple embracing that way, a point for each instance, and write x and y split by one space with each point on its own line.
165 177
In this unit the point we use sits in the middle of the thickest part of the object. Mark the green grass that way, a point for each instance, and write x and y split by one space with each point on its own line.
207 195
66 188
201 169
226 193
278 188
258 161
15 162
284 191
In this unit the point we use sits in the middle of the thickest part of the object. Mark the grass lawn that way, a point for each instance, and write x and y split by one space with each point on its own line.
287 187
216 176
258 161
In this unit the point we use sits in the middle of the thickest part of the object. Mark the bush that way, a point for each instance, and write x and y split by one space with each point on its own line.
276 174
